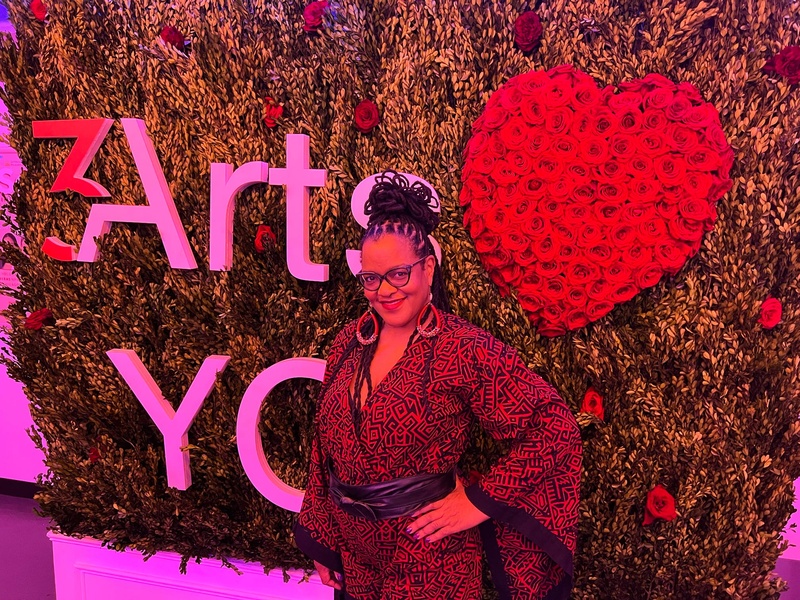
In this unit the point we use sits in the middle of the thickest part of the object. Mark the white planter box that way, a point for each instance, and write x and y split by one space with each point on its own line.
84 570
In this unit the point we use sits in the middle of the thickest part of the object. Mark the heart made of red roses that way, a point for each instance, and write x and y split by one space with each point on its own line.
577 197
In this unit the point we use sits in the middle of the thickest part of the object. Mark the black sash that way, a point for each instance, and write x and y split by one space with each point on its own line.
390 499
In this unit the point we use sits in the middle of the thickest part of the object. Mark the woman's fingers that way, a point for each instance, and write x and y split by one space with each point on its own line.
328 576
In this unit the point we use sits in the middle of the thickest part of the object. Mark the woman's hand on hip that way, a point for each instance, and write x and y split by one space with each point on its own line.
328 576
451 514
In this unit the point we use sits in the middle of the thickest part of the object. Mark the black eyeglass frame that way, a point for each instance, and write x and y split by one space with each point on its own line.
382 278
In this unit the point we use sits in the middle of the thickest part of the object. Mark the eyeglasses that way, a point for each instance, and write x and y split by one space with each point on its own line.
396 277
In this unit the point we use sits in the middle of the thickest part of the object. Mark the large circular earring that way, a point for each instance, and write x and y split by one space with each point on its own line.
437 320
360 325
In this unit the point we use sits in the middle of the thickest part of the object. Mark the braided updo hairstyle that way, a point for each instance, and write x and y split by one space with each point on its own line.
394 206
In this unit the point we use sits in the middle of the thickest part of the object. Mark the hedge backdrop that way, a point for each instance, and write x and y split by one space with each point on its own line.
698 397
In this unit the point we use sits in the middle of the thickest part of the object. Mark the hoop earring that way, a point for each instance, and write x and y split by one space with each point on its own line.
437 319
371 339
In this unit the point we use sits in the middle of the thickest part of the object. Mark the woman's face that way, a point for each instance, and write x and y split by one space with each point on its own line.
398 307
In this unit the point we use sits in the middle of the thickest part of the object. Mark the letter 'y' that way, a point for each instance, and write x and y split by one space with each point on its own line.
173 425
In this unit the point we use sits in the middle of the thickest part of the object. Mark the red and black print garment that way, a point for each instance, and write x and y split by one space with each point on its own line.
417 420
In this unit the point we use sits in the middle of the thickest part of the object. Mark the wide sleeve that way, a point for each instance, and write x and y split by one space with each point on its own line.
532 494
316 531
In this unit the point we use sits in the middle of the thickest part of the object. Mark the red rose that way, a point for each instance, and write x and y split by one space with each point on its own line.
599 290
511 98
536 226
533 111
685 229
548 168
658 99
693 208
366 116
585 194
481 205
551 328
496 116
589 235
503 173
548 270
272 112
514 133
671 256
527 31
481 186
486 243
630 121
678 108
475 225
640 166
593 150
498 259
606 213
605 123
475 146
484 163
312 15
653 143
264 234
681 138
514 241
532 301
690 91
581 125
786 64
564 148
558 120
637 213
554 289
622 145
622 235
580 273
697 184
703 158
546 248
38 318
648 276
612 172
644 190
521 162
538 142
525 258
700 117
94 454
637 256
771 313
561 188
660 505
551 208
623 293
593 403
669 170
627 100
507 196
652 231
598 310
39 10
576 319
617 273
585 95
600 254
666 209
173 37
576 297
654 119
524 211
496 219
532 81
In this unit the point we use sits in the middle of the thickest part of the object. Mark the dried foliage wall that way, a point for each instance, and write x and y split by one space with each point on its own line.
698 397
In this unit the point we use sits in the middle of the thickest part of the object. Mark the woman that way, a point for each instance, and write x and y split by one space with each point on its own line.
385 515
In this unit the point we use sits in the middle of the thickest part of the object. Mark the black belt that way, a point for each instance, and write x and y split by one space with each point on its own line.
390 499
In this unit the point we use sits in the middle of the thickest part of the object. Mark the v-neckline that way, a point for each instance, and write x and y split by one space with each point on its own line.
356 402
